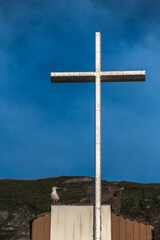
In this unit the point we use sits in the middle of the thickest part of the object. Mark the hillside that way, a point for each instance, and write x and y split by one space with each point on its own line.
20 200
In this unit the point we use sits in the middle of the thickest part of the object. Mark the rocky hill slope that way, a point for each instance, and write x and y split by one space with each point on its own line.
21 200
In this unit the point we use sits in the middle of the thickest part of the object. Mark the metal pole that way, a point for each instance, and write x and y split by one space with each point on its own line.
98 138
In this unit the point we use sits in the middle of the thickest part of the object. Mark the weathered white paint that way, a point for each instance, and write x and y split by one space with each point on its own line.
98 76
75 77
72 74
106 222
77 222
98 138
111 73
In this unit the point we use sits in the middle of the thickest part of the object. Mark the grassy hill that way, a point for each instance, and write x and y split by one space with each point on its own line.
20 200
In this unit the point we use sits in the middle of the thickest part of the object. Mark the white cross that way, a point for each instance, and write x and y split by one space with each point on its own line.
98 76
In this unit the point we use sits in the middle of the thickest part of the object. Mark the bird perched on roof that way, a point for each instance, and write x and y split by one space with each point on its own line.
54 195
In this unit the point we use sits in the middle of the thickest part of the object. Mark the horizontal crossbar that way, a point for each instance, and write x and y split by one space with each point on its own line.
114 76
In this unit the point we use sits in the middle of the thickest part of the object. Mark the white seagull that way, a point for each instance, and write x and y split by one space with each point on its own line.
54 195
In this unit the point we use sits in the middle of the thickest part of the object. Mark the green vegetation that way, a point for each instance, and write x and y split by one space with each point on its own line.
35 194
134 200
140 199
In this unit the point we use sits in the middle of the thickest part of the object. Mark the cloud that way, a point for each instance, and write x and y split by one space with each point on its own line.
42 123
129 21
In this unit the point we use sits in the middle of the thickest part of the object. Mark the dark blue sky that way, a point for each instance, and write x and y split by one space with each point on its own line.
48 130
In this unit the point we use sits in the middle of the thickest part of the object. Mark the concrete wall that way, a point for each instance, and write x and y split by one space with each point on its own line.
76 222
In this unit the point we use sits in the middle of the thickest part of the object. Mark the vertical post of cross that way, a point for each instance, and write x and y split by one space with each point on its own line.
97 77
98 137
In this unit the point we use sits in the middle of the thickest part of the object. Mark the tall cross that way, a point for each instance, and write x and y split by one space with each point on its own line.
98 76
